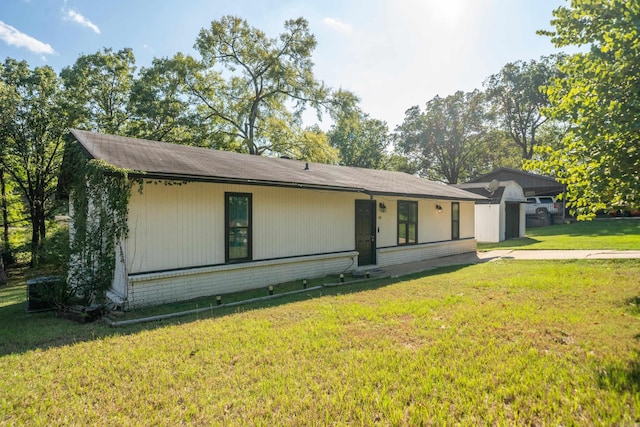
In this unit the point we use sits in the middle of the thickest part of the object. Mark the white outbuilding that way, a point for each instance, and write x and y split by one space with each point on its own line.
502 215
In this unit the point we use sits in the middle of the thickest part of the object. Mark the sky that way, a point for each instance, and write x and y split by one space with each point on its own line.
393 54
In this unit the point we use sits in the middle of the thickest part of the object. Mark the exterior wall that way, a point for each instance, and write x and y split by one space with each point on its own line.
182 226
176 251
433 225
488 222
413 253
467 220
159 288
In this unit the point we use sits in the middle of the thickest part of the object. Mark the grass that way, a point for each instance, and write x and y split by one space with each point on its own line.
506 343
601 234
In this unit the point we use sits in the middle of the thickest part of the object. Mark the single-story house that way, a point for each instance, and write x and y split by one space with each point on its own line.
502 214
236 222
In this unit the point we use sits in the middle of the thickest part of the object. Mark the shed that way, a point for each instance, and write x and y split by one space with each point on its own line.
502 214
237 222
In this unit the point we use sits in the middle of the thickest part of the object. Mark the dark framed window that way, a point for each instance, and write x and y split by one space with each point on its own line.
407 222
238 218
455 220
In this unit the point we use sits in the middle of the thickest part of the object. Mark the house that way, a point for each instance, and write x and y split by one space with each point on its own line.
208 222
502 214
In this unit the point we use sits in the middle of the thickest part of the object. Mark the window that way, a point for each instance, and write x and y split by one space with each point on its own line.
455 220
407 222
237 211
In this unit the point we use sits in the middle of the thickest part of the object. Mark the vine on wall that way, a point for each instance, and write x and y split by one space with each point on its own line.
100 196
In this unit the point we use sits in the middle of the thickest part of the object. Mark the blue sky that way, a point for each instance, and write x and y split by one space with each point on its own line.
392 53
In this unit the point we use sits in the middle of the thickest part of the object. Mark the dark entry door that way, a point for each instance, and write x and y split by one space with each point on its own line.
512 221
366 231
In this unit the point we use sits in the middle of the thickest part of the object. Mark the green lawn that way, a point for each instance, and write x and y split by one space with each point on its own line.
506 343
600 234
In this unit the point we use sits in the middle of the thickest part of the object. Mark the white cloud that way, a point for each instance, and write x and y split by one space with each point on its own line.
337 25
73 16
14 37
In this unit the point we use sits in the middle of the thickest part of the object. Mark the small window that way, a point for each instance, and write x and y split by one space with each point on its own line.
407 222
547 200
531 200
455 220
238 227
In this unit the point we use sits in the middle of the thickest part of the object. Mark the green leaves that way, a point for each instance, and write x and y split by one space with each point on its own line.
599 98
518 99
251 81
446 139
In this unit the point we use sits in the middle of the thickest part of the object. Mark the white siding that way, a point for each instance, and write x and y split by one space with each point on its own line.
297 233
180 226
435 225
488 222
467 222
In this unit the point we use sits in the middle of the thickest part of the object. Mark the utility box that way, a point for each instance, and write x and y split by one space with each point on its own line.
40 293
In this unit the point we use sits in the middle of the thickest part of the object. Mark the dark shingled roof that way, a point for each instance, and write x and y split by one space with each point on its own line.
531 183
163 160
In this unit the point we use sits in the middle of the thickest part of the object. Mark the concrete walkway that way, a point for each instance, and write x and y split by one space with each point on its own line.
474 258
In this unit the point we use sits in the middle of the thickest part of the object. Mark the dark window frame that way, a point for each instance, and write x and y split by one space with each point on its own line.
405 224
228 228
455 220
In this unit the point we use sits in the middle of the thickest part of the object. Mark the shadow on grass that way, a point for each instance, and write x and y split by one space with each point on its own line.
621 378
21 332
510 243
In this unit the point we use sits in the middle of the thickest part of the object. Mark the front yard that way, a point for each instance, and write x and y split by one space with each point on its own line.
508 342
599 234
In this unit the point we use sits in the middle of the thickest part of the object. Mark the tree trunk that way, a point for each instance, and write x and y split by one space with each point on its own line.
5 252
35 235
3 276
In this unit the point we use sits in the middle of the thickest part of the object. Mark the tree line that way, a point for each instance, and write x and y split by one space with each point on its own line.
571 116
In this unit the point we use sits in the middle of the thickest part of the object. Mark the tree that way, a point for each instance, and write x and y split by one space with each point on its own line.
313 145
599 157
362 141
31 132
446 139
97 90
159 106
518 99
250 82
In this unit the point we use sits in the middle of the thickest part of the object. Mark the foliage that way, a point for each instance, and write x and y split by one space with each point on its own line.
98 88
32 127
447 138
501 343
313 145
250 81
159 104
361 140
518 98
599 158
100 200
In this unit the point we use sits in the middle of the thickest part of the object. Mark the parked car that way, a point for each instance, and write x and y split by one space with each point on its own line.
539 205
